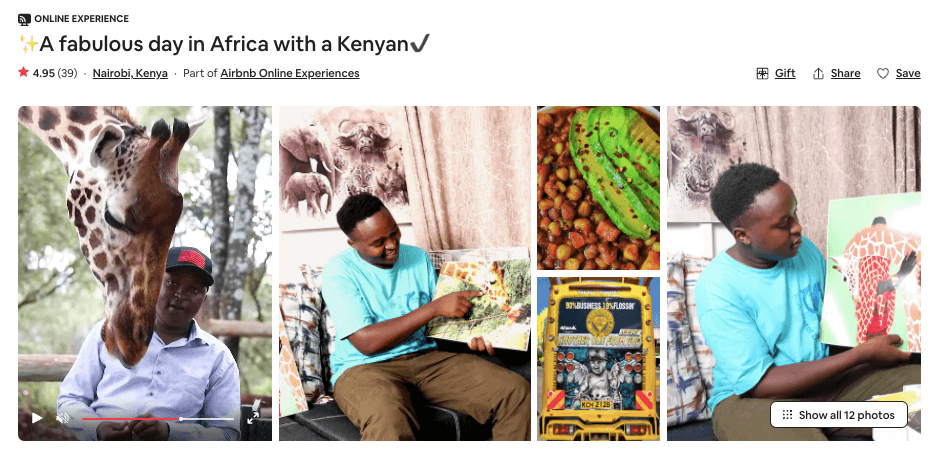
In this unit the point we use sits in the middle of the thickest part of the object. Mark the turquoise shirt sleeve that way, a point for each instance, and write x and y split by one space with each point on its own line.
342 294
733 335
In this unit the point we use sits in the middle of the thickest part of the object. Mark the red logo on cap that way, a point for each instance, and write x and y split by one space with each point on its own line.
193 257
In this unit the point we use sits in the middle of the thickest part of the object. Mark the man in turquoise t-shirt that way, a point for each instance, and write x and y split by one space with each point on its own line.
759 305
379 293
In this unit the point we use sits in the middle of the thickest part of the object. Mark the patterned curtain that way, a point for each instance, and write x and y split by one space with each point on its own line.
468 176
828 153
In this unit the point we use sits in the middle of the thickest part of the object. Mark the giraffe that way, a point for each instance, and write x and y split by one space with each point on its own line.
290 381
123 199
865 268
488 276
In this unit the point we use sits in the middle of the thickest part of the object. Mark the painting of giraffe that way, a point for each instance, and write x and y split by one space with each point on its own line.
123 199
292 398
487 276
880 266
501 314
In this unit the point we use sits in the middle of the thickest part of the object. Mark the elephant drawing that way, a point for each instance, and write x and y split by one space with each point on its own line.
310 187
298 146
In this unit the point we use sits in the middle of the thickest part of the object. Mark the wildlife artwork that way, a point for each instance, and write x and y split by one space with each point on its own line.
873 280
124 201
502 313
327 154
292 398
703 142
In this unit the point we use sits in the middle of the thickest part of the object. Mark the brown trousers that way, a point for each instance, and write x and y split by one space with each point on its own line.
739 418
377 396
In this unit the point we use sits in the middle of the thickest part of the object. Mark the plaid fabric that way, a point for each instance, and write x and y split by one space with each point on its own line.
302 315
686 396
693 268
326 346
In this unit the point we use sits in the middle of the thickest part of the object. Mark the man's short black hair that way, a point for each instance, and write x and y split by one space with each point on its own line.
356 209
736 189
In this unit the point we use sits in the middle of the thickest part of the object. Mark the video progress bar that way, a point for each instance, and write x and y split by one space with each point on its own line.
157 419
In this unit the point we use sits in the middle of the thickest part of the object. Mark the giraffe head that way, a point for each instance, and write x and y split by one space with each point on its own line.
123 198
848 267
493 286
488 277
878 240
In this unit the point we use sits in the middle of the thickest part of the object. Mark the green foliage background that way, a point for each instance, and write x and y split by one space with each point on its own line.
848 217
517 281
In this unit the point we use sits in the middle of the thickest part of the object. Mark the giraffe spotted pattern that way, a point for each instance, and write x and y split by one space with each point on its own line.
123 199
865 264
875 312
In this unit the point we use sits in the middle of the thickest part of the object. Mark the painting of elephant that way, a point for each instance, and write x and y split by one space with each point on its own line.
310 187
298 147
354 149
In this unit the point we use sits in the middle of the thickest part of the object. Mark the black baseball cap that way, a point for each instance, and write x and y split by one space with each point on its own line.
191 257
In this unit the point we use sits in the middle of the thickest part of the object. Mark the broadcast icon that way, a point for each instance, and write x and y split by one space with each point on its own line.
24 19
62 418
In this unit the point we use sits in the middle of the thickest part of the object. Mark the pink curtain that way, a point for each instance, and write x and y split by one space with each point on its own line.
468 176
828 153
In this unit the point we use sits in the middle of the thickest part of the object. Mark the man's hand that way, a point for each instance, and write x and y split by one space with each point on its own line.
150 430
383 335
454 304
798 379
478 344
882 351
112 430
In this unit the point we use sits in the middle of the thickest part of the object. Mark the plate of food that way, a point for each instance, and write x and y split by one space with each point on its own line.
598 178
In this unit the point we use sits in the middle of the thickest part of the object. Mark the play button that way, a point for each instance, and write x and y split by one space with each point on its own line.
36 418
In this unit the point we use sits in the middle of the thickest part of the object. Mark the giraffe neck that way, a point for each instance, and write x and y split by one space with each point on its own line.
867 261
879 240
124 205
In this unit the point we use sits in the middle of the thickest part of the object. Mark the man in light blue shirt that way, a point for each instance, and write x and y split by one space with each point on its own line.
759 305
357 283
185 374
380 296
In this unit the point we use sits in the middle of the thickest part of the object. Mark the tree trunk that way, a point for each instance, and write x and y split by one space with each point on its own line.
220 210
238 261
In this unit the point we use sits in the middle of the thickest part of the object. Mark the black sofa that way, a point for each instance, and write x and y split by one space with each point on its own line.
327 422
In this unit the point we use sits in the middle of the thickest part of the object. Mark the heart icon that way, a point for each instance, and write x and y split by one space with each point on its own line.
882 72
